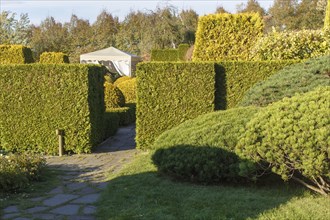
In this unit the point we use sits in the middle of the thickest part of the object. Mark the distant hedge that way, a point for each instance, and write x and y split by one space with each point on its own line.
227 36
128 88
37 99
164 55
169 94
15 54
302 44
170 54
54 57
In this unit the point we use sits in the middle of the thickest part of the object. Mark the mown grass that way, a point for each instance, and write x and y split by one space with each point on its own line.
139 192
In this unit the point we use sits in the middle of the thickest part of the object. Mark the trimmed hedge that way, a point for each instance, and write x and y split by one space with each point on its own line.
227 36
128 88
126 114
182 51
293 137
111 122
327 17
164 55
169 94
234 78
302 44
54 57
113 97
298 78
15 54
37 99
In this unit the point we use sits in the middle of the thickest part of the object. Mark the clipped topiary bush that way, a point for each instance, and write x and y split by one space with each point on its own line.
227 36
37 99
164 55
298 78
182 51
169 94
15 54
54 57
293 137
126 114
111 122
128 88
18 170
121 79
291 45
219 129
198 164
113 97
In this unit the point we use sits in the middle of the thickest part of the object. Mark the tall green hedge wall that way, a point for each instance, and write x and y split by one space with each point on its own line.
170 54
234 78
37 99
54 57
15 54
169 94
226 36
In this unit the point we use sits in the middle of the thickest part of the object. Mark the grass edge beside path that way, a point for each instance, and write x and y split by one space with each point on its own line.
139 192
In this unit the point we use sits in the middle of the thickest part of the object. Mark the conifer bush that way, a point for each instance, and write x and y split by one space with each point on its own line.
15 54
121 79
128 88
302 44
297 78
292 137
113 97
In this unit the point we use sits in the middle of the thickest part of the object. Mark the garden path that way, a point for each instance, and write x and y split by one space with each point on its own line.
82 179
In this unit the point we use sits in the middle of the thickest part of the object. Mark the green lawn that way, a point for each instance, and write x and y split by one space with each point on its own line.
139 192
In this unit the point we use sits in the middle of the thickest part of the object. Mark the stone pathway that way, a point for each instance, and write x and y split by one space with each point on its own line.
83 177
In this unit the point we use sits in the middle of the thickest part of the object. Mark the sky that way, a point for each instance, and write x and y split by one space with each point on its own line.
62 10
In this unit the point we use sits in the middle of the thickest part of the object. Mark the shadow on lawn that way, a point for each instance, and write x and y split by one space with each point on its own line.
151 196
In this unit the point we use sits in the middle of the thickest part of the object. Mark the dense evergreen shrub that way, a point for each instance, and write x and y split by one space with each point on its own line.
293 137
15 54
37 99
198 164
302 44
111 122
226 36
54 57
169 94
219 129
164 55
128 88
298 78
327 17
113 97
18 170
182 51
126 114
121 79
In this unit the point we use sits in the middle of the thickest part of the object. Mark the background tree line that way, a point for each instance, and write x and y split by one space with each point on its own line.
141 31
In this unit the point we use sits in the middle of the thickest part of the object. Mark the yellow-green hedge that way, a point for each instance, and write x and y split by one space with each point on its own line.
15 54
37 99
227 36
169 94
54 57
128 88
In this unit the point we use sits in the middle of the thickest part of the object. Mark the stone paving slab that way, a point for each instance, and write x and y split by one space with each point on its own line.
88 199
11 209
36 209
66 210
89 210
59 199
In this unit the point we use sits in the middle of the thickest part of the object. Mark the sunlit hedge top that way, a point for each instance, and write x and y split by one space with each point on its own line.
15 54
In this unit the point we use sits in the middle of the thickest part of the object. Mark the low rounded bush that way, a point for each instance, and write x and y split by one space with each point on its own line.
202 149
302 44
128 88
113 97
219 129
198 164
292 137
297 78
18 170
121 79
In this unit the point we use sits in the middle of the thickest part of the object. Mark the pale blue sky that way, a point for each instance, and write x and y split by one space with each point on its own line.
62 10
